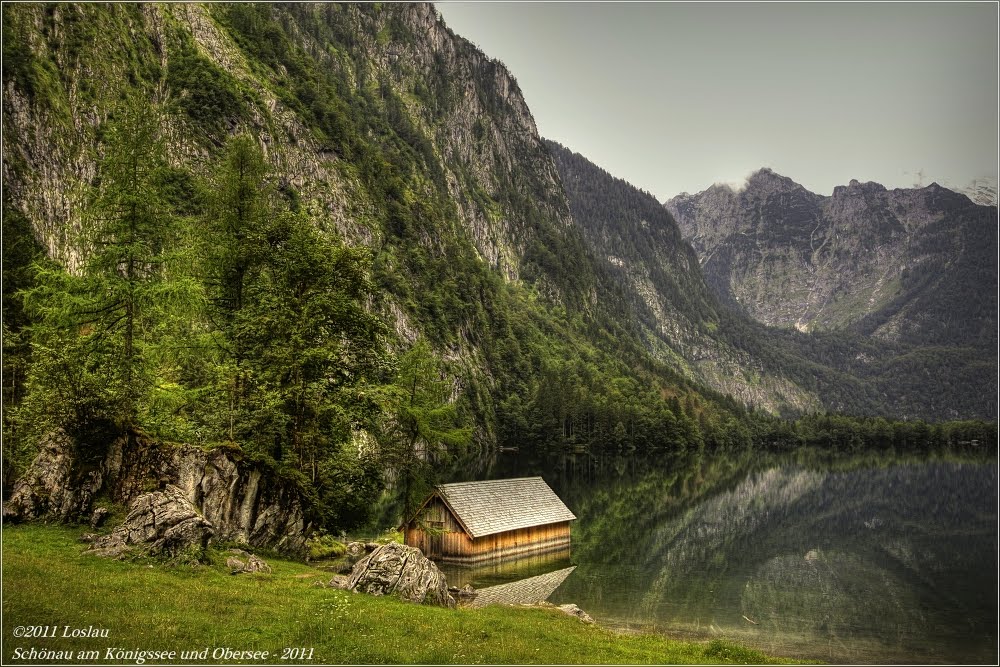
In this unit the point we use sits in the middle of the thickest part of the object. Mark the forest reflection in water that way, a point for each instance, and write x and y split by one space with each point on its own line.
850 559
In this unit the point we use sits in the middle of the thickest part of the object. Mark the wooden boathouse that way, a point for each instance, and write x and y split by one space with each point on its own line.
470 522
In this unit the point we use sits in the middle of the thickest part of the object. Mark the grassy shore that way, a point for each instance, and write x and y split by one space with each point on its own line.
48 581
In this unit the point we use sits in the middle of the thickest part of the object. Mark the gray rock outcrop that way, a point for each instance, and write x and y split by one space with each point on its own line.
572 610
257 564
244 503
241 501
99 516
48 488
159 523
396 569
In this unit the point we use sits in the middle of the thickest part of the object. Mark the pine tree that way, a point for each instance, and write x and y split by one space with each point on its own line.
96 333
315 349
425 425
240 212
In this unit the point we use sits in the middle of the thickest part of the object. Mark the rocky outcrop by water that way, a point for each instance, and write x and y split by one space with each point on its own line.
241 501
396 569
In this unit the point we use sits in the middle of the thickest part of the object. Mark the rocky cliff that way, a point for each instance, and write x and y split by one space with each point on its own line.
909 265
643 251
242 502
460 112
383 127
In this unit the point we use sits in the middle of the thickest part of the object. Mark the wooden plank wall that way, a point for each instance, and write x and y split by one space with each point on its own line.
514 542
454 544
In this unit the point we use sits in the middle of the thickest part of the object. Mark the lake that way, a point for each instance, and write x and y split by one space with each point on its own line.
860 559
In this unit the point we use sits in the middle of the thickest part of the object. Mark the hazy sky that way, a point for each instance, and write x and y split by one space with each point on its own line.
673 97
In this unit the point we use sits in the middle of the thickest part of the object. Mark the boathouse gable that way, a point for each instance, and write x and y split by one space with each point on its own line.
475 521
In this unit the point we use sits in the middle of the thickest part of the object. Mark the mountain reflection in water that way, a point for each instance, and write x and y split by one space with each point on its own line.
858 560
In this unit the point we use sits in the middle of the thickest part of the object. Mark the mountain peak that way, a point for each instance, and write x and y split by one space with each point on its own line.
855 187
767 180
765 174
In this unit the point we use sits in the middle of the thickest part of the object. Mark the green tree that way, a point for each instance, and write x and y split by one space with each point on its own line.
425 424
316 359
241 209
241 206
98 333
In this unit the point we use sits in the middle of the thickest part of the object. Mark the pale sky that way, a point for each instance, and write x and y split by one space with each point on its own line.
673 97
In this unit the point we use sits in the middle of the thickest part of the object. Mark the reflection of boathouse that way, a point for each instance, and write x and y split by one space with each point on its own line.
530 590
475 521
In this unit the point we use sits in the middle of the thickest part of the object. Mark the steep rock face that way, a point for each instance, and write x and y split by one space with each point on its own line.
658 272
382 127
48 487
467 106
241 502
489 134
887 262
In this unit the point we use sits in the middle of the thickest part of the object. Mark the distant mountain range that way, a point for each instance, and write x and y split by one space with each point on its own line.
706 334
916 266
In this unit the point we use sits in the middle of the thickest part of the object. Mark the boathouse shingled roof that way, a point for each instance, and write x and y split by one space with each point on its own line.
499 505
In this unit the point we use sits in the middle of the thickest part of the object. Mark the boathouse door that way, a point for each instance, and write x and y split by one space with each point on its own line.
436 535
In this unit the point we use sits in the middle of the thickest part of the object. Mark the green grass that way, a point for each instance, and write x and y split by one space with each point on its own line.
47 581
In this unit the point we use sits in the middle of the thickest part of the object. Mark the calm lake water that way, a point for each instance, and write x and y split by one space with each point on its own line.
854 560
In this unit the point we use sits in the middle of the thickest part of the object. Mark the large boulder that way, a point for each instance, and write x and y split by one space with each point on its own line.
160 523
396 569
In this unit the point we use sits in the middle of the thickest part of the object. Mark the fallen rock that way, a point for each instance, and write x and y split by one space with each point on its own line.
573 610
253 564
340 581
160 523
396 569
355 549
464 590
463 595
257 564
